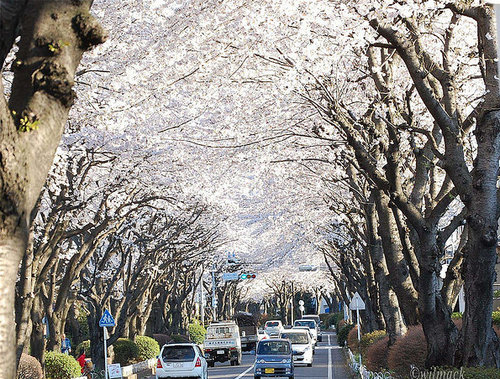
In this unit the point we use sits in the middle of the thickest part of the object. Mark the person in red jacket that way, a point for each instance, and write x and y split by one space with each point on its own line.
81 360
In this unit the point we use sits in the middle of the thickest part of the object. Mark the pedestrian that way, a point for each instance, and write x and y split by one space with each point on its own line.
81 361
65 345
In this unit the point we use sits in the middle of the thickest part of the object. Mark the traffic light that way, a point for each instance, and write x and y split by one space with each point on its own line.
247 276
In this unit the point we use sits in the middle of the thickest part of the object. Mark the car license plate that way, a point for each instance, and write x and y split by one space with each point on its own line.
269 371
174 365
220 351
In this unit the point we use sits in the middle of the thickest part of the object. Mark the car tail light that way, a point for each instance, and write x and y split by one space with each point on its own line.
232 348
198 362
158 364
208 349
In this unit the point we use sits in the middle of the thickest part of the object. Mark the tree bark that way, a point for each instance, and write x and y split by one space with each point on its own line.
480 344
399 275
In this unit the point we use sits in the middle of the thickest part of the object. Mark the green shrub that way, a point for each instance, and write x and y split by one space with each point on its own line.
456 315
83 347
343 333
496 318
29 368
468 372
148 348
61 366
333 319
369 339
197 332
126 351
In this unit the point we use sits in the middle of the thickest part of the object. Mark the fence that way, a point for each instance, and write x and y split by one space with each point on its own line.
361 371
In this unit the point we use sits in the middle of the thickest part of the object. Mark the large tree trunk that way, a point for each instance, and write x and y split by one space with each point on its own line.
12 246
480 344
42 92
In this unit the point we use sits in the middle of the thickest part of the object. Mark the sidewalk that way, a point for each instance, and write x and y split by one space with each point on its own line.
340 369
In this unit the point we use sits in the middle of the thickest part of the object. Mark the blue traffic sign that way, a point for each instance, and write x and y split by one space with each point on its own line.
107 319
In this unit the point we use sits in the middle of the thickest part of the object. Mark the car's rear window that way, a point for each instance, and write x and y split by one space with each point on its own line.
273 348
299 338
272 324
178 353
311 324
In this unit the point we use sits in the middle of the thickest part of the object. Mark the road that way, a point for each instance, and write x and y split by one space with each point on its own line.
328 363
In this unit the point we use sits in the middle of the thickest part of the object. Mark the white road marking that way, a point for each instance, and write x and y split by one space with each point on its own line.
244 372
330 352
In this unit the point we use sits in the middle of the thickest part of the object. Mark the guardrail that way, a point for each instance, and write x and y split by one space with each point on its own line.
361 371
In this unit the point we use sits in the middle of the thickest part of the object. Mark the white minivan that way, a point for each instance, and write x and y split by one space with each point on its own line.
273 328
181 360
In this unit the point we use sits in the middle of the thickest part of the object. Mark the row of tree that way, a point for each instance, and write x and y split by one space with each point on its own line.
101 241
420 120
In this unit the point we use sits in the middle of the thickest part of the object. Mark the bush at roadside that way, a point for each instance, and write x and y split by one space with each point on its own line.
376 355
126 351
147 348
29 368
408 350
352 340
495 316
369 339
197 332
61 366
343 333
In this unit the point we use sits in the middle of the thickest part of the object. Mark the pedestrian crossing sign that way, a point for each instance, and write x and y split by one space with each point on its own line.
107 319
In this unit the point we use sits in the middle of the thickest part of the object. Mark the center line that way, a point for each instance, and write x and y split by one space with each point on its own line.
244 372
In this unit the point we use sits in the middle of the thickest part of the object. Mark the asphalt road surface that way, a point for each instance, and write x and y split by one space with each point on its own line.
328 363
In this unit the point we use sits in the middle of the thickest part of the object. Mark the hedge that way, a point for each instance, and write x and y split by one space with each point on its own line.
29 368
126 351
496 318
343 333
61 366
197 332
147 348
376 355
410 349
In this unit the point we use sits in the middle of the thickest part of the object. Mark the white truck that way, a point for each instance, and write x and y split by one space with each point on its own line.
223 343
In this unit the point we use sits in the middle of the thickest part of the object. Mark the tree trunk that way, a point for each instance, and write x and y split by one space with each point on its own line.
37 340
439 329
399 275
388 300
480 344
12 246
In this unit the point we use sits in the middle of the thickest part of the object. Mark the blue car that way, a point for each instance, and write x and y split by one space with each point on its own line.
274 357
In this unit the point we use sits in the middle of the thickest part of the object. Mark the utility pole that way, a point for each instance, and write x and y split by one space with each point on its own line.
214 295
291 304
202 302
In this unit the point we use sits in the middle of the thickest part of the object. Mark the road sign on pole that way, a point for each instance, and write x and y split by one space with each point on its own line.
228 276
301 302
107 319
357 303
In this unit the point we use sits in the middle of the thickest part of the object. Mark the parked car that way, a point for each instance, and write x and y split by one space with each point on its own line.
302 345
273 328
311 324
274 357
318 324
181 360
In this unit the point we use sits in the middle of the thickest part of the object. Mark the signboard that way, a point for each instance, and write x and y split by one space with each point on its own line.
357 303
301 308
107 319
227 276
114 370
